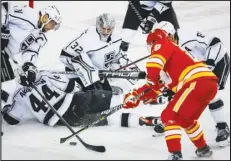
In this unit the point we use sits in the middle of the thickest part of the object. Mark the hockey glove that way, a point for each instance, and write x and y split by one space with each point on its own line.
5 37
211 64
121 59
28 76
148 24
131 100
166 96
145 93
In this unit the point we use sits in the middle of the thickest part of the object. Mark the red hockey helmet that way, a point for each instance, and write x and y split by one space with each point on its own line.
155 35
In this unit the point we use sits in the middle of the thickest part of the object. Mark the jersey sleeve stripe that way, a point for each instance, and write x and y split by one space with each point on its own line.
154 65
24 20
158 56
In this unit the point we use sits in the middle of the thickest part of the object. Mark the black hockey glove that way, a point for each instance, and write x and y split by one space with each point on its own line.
168 93
29 77
211 64
5 37
148 24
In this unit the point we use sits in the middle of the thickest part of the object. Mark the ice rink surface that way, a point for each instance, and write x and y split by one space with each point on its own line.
33 140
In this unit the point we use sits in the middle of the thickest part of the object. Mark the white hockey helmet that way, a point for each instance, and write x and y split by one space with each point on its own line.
53 14
105 24
166 26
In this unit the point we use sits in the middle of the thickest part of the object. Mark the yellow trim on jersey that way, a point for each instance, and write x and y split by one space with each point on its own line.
183 96
149 64
158 56
173 137
197 137
201 74
191 73
188 69
174 127
193 129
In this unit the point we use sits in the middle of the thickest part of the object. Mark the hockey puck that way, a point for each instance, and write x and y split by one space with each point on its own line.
73 143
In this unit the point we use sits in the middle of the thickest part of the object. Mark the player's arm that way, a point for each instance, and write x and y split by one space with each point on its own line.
213 47
156 62
161 53
27 71
215 50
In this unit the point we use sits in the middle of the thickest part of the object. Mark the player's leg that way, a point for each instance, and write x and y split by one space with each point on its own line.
86 107
131 24
7 73
216 106
182 111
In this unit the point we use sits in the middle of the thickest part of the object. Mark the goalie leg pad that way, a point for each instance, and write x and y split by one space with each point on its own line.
84 103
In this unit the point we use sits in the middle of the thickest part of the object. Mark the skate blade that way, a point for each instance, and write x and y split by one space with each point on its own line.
157 134
224 143
209 154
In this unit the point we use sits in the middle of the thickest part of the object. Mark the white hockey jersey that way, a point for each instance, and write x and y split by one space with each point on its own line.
29 104
95 54
199 45
25 37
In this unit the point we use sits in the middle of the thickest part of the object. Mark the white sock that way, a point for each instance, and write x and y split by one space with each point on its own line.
124 120
216 109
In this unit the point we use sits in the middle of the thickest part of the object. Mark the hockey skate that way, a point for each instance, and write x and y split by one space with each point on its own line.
204 152
175 156
223 134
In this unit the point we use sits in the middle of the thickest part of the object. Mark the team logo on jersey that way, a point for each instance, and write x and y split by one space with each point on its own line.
108 58
157 47
27 42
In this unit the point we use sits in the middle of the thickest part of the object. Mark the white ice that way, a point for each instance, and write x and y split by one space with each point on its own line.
33 140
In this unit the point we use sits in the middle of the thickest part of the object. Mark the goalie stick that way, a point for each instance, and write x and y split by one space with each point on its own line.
108 74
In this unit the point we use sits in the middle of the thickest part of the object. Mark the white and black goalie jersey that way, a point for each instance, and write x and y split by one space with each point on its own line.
93 51
29 104
25 36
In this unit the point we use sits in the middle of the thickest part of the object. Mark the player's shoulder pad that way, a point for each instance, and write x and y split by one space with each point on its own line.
24 13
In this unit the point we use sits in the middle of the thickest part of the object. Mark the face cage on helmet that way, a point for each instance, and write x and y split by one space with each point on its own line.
103 36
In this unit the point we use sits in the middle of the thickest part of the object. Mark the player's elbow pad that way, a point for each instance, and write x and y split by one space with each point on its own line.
214 41
215 50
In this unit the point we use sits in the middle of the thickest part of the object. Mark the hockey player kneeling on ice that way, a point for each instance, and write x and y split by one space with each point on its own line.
211 50
77 107
23 34
97 48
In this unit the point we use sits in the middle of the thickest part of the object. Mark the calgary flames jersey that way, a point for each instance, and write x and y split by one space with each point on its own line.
179 65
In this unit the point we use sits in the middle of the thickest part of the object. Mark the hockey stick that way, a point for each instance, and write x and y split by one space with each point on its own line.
88 146
136 11
109 74
104 115
133 63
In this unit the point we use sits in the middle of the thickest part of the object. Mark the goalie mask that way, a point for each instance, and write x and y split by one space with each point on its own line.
50 19
105 25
